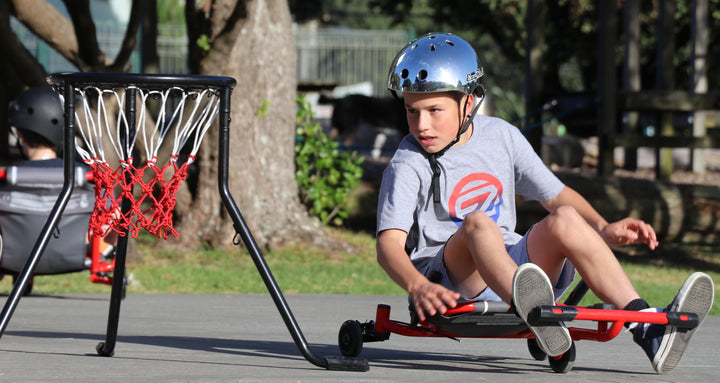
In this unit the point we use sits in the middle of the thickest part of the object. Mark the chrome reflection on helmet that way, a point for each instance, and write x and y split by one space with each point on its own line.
436 62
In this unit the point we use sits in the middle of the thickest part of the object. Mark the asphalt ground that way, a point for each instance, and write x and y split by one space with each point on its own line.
242 338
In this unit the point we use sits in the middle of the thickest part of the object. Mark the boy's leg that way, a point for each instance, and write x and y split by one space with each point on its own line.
479 246
532 288
664 345
476 258
564 234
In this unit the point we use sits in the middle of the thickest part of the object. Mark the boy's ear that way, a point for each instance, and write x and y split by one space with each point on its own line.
471 102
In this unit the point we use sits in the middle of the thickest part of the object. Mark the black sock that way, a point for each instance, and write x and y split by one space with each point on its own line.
636 305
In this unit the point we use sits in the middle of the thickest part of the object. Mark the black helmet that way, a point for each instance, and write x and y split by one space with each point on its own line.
39 110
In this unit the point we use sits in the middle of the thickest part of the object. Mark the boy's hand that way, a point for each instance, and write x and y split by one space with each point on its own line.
432 298
630 231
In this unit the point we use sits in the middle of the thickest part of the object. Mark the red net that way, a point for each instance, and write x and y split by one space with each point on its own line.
170 117
149 190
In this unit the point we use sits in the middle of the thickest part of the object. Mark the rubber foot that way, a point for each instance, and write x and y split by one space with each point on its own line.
100 348
347 364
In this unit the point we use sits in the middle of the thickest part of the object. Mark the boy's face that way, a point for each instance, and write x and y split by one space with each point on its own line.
434 119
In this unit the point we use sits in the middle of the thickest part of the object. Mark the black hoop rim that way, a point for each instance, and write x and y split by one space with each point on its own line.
141 80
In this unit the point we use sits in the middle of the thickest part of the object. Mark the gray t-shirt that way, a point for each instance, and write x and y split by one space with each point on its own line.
486 173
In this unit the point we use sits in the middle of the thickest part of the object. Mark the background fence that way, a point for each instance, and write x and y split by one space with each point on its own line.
328 57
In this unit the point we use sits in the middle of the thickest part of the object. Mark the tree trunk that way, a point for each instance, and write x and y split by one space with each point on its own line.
148 44
251 41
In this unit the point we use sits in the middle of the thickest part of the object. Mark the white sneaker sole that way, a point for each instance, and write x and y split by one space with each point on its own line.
532 288
695 296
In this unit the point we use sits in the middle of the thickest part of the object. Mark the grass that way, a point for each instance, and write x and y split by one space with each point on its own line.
657 276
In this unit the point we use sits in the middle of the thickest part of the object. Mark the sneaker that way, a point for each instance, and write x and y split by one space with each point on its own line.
664 345
532 288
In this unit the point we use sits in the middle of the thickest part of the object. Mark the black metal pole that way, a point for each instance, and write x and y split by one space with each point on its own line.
242 229
54 218
107 348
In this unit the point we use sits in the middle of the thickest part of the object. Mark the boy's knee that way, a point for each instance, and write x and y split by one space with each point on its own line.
565 217
477 221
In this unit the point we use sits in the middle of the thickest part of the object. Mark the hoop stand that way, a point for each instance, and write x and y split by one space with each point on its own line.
107 347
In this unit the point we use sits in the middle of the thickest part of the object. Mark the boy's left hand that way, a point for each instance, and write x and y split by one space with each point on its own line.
630 231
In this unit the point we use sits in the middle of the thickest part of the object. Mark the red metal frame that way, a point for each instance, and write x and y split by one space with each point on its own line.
100 269
609 322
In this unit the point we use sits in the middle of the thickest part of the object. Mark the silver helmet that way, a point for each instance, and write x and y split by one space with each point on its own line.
436 62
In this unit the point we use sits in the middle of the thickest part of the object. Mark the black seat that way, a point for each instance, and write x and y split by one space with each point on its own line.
27 196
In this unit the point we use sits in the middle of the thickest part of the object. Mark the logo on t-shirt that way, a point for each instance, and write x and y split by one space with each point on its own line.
477 191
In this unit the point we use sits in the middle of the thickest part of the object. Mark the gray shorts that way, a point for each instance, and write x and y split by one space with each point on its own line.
518 252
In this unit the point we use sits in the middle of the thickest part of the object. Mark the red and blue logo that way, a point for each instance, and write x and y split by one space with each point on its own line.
477 191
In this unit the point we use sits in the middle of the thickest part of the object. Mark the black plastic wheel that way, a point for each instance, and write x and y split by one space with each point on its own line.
565 362
350 338
535 350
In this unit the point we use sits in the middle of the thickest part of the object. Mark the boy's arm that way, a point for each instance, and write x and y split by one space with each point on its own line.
427 297
624 232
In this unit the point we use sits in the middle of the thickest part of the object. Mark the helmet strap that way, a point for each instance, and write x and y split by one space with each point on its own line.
433 157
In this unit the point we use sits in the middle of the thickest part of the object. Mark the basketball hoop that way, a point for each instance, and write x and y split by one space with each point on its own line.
160 118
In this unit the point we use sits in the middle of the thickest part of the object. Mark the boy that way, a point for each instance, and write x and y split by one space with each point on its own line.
447 201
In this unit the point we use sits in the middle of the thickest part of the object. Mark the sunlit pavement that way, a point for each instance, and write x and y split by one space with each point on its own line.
242 338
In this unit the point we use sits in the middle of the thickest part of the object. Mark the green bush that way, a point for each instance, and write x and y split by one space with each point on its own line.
326 176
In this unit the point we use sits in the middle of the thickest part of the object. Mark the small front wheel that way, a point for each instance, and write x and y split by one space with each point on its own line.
564 363
535 350
350 338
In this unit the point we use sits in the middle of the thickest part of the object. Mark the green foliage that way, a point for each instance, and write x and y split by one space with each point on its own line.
507 105
204 43
497 30
171 12
303 269
264 109
325 175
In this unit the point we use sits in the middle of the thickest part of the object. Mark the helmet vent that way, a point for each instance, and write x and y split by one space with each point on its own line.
450 43
30 110
54 121
432 47
422 75
404 73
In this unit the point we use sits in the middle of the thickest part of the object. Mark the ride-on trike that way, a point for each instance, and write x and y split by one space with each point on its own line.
492 319
27 194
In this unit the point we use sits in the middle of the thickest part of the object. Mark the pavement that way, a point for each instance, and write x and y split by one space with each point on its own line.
242 338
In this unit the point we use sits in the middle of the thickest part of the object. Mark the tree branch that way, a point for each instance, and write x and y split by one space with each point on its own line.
26 68
130 39
88 49
47 23
197 19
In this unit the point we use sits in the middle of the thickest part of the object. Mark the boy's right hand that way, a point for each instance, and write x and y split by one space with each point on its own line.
432 298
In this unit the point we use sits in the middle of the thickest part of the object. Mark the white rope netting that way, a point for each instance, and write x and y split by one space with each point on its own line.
169 123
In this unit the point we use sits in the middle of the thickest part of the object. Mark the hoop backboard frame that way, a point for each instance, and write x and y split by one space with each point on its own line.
66 83
131 97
